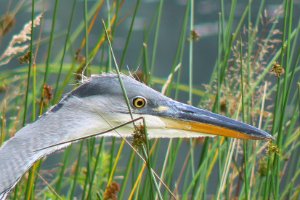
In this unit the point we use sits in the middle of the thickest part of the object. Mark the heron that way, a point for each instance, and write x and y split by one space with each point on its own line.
99 104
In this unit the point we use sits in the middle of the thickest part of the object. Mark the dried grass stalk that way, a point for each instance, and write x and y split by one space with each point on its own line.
18 43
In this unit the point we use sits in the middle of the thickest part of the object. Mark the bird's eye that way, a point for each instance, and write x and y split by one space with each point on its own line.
139 102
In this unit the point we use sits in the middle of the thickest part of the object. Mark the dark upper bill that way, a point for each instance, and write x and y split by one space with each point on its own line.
186 117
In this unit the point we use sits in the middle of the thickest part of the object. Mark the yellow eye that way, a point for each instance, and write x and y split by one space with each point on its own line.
139 102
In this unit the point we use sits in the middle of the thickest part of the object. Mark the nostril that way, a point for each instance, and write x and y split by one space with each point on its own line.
189 111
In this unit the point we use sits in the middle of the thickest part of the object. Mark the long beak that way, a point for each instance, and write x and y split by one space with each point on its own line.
186 117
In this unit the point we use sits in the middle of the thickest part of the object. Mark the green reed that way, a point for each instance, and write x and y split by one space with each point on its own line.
247 50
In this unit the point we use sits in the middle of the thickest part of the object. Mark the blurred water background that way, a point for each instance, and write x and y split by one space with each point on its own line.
205 49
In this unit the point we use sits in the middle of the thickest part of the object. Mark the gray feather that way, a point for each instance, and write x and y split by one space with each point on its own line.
95 106
70 119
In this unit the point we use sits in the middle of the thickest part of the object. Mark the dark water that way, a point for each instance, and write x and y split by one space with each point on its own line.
205 50
206 24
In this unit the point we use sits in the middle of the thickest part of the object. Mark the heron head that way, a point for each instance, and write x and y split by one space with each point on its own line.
164 116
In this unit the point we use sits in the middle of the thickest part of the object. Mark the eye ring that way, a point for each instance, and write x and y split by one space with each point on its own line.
139 102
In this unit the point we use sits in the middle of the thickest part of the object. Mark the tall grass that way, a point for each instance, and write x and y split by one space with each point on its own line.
255 79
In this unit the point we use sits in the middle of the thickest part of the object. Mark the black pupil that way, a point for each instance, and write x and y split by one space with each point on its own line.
140 102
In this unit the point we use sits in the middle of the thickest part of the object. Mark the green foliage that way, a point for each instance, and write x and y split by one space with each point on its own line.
254 79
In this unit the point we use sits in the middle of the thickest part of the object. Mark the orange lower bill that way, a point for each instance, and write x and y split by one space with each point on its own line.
206 128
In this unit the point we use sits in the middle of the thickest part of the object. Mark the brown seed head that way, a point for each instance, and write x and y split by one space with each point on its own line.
277 69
